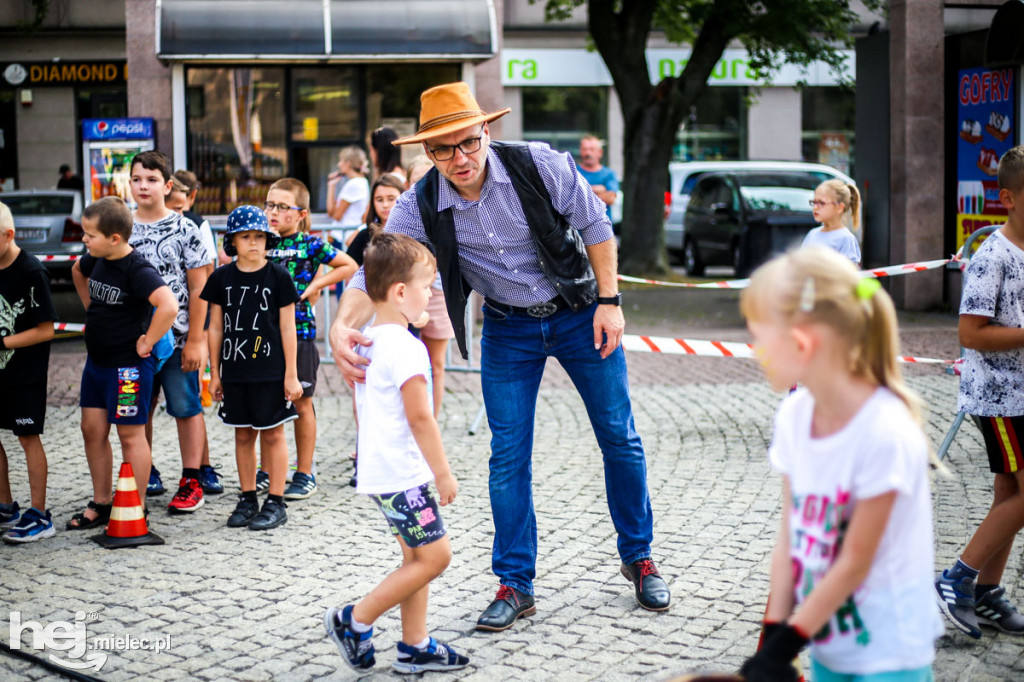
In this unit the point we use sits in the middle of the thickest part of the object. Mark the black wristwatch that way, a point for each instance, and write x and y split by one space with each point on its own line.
610 300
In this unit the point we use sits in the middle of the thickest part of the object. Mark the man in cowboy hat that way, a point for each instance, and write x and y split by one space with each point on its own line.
518 224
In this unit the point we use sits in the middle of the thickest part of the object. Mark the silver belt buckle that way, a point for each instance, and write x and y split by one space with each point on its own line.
542 309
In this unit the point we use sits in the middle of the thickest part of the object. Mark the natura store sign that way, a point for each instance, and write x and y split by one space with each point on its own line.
552 67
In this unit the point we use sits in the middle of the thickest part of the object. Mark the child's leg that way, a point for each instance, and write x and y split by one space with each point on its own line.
135 450
414 607
191 434
436 349
206 447
994 536
5 479
96 434
245 457
1005 487
305 434
274 454
407 586
35 457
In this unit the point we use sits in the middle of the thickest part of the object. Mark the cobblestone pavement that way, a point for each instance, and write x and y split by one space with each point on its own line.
241 605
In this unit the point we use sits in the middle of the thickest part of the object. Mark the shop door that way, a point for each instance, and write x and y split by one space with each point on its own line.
8 141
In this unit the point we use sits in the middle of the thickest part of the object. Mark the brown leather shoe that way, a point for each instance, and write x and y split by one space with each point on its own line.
506 608
651 591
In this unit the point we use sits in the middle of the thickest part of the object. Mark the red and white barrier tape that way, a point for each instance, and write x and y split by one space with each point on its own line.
68 327
57 259
715 349
891 271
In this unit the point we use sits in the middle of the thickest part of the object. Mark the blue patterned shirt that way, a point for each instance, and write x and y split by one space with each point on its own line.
496 253
301 255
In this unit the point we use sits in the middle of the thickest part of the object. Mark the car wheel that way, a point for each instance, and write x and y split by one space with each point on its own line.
691 259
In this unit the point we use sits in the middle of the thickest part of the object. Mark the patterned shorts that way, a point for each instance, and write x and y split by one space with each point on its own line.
413 515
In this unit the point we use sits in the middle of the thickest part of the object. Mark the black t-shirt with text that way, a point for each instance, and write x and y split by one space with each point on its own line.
24 303
119 308
251 305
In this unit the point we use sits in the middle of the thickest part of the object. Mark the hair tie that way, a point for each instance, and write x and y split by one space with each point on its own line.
807 296
866 288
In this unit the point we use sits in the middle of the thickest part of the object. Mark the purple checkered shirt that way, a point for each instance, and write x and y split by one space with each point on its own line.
496 253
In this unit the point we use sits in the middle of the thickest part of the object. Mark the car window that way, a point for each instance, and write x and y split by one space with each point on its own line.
704 193
794 179
40 205
778 198
723 195
690 182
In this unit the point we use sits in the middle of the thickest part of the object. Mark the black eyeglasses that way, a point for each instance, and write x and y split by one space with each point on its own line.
447 153
270 206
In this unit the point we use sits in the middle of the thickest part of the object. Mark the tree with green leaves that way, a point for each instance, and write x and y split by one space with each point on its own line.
774 32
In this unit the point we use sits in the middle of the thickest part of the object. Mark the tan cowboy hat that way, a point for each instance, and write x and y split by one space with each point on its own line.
447 108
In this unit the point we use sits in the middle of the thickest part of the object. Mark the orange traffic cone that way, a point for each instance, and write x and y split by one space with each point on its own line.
127 525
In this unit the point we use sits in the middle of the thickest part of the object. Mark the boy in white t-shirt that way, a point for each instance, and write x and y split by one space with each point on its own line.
400 452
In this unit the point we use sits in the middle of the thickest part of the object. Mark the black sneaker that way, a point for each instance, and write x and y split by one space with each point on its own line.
992 609
436 656
262 481
156 484
271 516
245 511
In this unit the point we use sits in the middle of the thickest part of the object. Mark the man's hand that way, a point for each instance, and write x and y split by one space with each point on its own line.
192 355
350 364
609 324
446 486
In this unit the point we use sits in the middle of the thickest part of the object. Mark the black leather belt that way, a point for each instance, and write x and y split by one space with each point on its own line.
538 310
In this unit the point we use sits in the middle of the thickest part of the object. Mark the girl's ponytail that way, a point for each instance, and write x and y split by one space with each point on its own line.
854 206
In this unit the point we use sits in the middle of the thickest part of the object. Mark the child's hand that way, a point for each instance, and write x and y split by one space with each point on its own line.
292 389
143 347
446 486
215 389
311 294
422 321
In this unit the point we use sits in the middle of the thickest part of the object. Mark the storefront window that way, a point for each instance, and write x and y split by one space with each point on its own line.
248 127
716 128
828 115
561 116
236 134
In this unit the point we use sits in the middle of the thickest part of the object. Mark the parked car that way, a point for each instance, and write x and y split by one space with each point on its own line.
48 222
743 218
683 178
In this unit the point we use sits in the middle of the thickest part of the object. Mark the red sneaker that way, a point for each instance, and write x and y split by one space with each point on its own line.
188 498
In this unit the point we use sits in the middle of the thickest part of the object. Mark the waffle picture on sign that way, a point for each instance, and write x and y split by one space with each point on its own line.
970 131
998 126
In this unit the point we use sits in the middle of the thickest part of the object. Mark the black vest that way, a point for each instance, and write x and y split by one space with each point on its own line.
561 254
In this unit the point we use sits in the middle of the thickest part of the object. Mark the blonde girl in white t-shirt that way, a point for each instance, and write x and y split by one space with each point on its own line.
833 204
852 568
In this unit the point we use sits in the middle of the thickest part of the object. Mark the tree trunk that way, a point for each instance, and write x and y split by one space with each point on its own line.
647 155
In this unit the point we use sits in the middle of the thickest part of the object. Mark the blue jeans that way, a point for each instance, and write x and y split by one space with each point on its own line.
181 389
515 348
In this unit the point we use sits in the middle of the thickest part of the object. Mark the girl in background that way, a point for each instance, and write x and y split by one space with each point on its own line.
386 157
833 201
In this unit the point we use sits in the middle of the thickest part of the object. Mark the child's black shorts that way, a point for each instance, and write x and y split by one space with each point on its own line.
307 362
258 405
413 515
23 407
1003 443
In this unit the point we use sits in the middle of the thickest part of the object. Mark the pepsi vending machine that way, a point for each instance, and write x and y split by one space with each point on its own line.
108 146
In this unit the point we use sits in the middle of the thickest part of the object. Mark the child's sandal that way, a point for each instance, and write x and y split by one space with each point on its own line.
83 522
